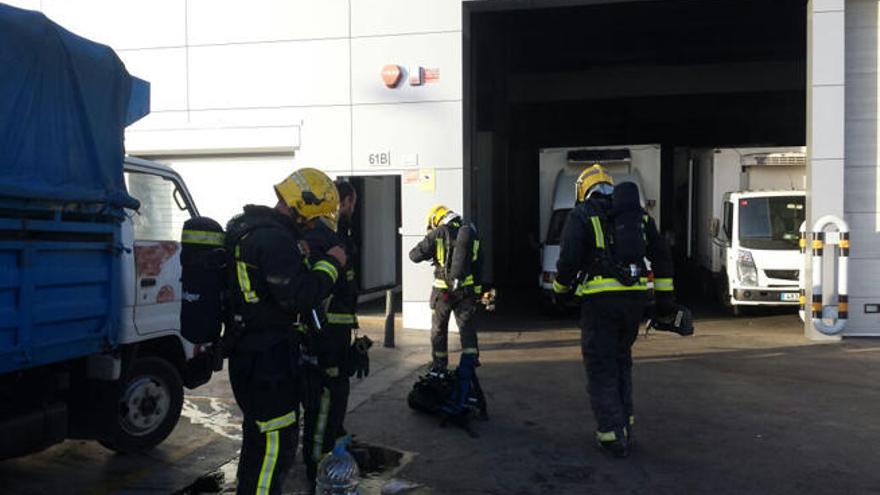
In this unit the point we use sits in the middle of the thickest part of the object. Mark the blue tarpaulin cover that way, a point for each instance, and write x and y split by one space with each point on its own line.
64 105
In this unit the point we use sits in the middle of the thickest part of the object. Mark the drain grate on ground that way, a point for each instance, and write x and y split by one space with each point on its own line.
374 460
377 464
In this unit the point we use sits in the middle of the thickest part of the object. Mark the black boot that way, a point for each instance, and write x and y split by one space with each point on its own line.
615 443
439 366
628 431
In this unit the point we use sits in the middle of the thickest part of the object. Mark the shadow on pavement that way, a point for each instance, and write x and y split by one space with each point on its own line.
748 408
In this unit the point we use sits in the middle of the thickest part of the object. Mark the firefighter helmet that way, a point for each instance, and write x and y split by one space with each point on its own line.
436 215
589 178
310 192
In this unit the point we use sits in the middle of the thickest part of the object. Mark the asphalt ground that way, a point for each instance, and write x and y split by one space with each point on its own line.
747 406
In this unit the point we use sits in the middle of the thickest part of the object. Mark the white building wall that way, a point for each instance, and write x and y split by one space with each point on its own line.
238 86
826 88
420 126
252 81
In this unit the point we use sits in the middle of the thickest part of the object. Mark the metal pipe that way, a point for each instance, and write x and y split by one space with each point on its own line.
389 319
821 239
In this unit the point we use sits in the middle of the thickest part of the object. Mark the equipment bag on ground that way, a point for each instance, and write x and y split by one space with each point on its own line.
434 391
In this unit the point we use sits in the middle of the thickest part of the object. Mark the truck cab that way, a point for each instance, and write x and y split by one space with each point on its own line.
755 248
151 267
149 333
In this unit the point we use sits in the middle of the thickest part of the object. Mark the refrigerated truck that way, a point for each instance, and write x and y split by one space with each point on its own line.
559 170
750 203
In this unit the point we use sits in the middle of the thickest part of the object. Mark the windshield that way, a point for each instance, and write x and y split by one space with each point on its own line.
771 223
557 222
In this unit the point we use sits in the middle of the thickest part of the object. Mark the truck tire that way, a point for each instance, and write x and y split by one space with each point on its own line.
147 405
734 310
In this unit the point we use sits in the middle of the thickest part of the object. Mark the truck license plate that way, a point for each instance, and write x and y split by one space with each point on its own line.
790 296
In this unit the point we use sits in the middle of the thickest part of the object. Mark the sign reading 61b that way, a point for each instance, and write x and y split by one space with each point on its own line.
381 159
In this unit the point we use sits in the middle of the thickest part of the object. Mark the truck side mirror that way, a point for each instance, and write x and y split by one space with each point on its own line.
714 226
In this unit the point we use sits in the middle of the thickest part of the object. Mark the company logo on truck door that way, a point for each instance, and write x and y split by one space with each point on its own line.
158 270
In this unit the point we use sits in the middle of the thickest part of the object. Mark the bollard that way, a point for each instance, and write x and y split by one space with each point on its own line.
389 319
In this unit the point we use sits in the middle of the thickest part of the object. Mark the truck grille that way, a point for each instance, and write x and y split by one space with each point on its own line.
783 274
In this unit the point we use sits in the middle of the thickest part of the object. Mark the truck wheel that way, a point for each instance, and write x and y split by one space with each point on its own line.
724 297
147 405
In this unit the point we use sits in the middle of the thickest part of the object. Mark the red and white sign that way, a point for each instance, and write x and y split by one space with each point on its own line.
391 75
411 177
432 75
416 75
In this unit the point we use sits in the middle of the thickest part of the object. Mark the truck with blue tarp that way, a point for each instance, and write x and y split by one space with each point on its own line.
90 343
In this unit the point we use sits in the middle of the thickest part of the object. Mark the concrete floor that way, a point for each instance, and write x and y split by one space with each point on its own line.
748 406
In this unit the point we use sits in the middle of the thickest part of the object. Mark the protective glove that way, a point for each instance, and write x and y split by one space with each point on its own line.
562 299
487 299
562 294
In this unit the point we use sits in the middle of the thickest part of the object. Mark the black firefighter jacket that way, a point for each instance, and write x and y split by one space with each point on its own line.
580 252
272 282
454 250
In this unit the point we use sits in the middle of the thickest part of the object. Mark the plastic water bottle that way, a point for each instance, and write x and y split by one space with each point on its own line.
338 473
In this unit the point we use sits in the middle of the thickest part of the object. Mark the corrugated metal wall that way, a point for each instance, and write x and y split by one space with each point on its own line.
861 163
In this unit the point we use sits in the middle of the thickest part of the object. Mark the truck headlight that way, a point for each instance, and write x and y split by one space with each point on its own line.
746 269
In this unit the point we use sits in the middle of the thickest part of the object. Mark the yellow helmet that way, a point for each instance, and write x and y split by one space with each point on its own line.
330 222
310 192
589 178
436 215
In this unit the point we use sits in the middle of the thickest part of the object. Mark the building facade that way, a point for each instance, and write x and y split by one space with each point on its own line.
245 92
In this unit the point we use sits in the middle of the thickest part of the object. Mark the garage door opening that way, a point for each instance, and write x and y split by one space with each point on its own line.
614 77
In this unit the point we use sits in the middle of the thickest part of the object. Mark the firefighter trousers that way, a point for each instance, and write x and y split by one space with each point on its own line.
609 327
463 303
265 385
326 390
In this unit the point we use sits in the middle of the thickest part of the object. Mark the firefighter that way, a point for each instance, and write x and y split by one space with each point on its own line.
273 288
454 249
607 254
327 362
